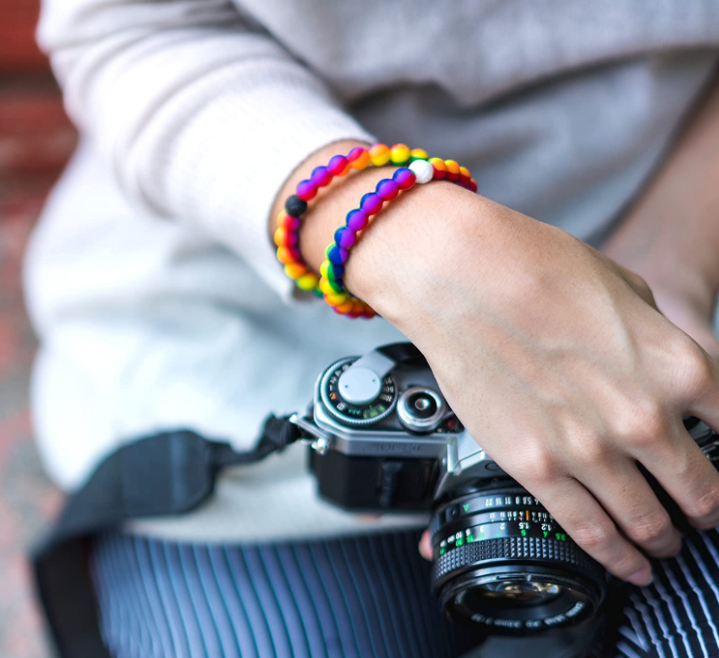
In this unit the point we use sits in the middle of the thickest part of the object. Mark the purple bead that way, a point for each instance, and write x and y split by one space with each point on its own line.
306 190
321 176
371 203
337 165
356 220
337 255
404 178
387 189
345 237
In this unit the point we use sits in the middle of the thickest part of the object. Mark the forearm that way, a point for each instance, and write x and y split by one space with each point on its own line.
671 236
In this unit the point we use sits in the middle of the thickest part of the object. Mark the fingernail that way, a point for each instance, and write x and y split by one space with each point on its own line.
642 577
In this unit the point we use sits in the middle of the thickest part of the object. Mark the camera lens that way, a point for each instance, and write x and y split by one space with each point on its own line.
503 564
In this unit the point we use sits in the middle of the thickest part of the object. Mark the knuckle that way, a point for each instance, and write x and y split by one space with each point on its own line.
536 466
593 536
650 528
642 422
695 371
706 504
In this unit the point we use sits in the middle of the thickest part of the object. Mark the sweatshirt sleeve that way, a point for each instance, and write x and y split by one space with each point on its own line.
199 112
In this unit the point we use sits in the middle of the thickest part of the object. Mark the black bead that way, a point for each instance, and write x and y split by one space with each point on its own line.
295 207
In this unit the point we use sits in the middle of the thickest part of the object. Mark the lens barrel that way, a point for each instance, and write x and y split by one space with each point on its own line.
503 564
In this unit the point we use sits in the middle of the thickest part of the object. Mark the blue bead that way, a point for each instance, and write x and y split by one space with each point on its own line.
335 271
338 234
337 255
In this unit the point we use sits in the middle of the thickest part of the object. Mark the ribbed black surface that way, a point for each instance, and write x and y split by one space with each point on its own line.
521 548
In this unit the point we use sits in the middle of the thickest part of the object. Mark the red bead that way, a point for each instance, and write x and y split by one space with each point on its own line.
387 189
306 190
289 223
463 180
321 176
371 203
404 178
338 165
472 185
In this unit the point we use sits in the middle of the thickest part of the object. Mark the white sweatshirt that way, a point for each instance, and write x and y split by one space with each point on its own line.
152 280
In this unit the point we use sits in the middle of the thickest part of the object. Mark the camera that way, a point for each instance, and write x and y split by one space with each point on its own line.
382 438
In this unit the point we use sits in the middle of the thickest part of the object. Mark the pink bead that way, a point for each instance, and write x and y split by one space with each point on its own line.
356 220
337 165
348 238
306 190
371 203
388 190
321 176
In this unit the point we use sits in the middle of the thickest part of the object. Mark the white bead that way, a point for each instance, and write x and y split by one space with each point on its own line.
423 170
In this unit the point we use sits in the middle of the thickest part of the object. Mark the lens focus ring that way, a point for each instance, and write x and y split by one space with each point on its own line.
517 548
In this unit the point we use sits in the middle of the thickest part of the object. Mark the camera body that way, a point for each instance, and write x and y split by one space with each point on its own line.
383 439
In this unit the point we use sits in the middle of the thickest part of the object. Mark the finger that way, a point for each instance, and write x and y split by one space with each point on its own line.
685 473
625 494
425 546
583 518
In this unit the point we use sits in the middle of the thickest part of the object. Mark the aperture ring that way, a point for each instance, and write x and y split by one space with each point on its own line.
478 553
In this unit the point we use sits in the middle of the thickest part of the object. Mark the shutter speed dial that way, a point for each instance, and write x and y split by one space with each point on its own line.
357 396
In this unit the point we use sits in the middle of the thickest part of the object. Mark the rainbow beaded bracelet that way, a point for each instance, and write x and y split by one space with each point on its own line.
337 253
287 234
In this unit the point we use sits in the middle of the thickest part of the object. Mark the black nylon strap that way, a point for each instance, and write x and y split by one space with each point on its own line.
169 473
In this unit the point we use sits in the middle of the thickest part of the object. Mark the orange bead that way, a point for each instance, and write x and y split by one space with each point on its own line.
440 169
286 256
295 270
452 170
379 155
336 298
280 237
361 162
346 307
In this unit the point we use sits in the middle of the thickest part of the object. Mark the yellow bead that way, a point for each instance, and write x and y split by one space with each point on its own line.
335 299
323 269
345 307
325 286
418 154
295 270
452 166
307 281
379 154
280 236
399 154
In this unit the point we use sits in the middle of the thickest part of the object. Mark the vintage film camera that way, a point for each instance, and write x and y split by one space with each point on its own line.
383 438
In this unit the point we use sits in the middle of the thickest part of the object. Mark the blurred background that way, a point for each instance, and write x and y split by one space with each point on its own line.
35 140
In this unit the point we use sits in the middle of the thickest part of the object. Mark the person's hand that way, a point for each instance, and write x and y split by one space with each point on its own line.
558 363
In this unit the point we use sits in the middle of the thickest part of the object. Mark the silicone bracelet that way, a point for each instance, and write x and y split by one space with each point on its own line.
286 236
337 252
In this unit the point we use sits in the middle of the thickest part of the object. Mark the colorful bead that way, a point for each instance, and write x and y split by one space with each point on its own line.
337 255
321 176
287 255
423 170
399 154
418 154
371 203
339 165
336 298
288 222
452 170
284 239
308 281
345 237
379 155
358 157
295 270
440 169
387 189
357 219
404 178
306 190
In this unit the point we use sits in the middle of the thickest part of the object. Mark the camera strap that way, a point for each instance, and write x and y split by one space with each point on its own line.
166 474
